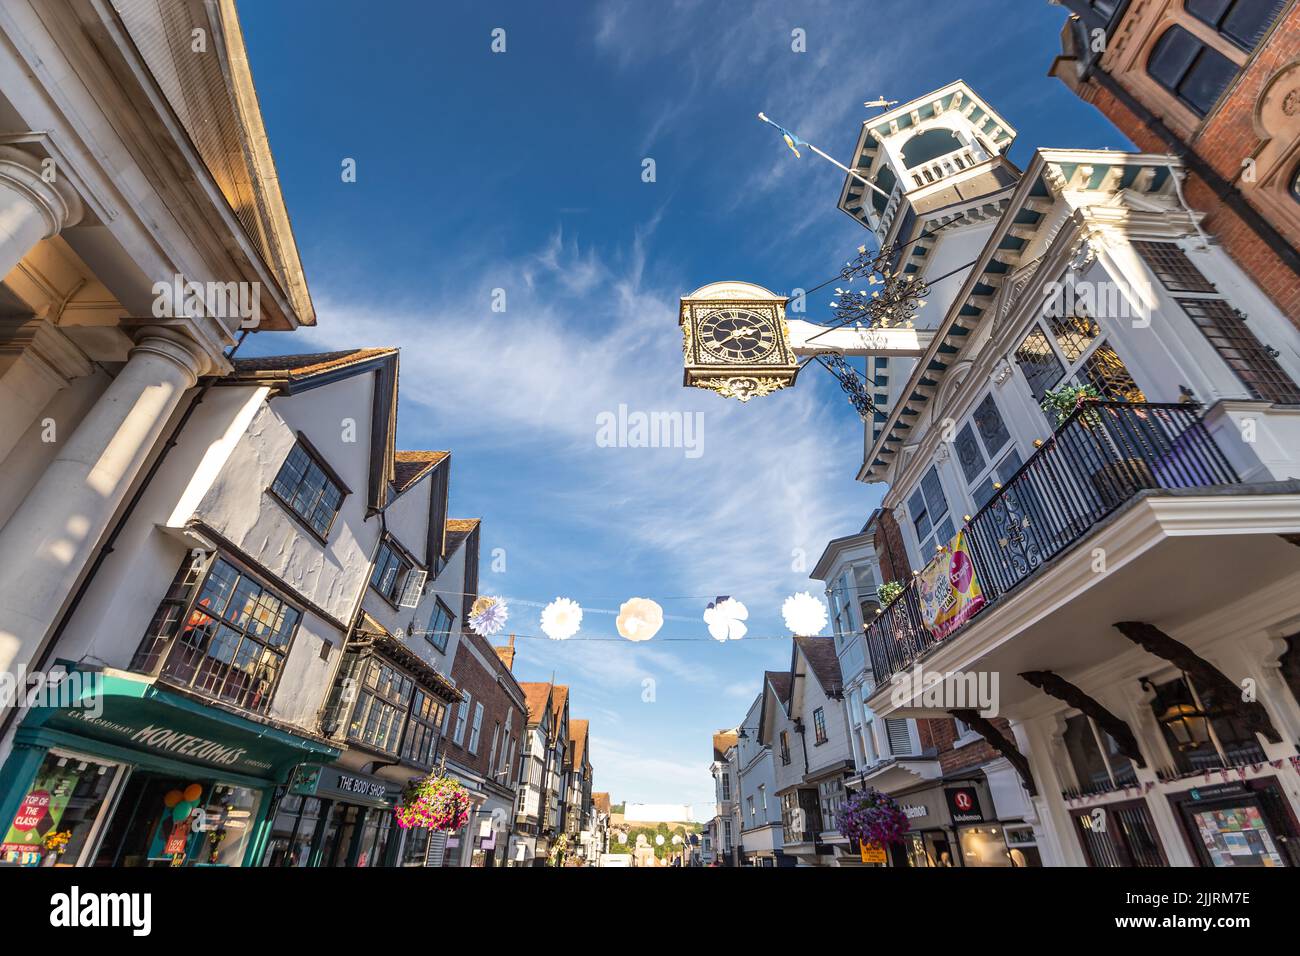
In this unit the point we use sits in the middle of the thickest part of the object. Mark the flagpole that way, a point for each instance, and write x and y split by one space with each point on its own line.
831 159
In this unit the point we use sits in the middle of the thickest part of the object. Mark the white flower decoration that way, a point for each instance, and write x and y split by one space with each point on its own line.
639 619
724 616
804 614
561 619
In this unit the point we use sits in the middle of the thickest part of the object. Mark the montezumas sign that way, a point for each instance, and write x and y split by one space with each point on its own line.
135 713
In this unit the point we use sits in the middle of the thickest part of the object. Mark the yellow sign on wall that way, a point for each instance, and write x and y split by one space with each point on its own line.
871 854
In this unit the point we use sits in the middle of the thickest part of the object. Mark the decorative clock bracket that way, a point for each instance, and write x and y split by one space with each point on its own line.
737 340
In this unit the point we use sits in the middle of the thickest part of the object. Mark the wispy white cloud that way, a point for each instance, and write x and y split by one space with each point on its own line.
649 778
535 377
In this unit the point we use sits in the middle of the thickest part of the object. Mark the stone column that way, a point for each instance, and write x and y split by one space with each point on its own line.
32 208
48 541
36 360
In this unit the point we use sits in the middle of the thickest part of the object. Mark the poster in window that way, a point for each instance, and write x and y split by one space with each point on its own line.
39 813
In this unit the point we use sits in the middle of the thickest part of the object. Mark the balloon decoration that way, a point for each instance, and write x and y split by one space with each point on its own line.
182 802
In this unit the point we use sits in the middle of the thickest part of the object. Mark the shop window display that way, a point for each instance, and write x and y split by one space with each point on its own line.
984 846
163 820
57 817
293 831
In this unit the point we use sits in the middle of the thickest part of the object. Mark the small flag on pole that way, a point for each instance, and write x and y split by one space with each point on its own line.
794 142
791 140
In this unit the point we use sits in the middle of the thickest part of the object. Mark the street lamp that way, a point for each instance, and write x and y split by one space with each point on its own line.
1187 724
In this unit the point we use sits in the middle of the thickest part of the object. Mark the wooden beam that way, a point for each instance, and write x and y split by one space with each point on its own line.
1056 686
984 727
1216 690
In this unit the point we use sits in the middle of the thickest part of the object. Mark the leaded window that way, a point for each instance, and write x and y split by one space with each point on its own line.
1105 371
308 489
427 714
1079 353
1074 334
1039 363
383 699
233 641
390 572
1173 267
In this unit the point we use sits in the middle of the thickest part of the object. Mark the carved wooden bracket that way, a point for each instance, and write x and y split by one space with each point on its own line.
984 727
1056 686
1216 690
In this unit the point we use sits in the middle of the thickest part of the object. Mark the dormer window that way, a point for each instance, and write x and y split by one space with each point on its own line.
309 488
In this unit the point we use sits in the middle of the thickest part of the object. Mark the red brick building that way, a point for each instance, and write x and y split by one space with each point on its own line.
1216 83
482 744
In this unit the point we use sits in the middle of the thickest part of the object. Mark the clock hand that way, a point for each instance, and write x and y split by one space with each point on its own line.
734 333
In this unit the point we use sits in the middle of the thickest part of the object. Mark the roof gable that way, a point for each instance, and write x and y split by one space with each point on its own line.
823 663
290 374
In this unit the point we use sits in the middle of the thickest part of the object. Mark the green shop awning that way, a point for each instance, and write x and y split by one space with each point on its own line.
130 712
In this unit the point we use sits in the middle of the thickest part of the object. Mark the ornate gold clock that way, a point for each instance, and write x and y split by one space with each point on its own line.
735 341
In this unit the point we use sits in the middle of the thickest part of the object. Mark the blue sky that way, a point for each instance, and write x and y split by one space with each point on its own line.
522 171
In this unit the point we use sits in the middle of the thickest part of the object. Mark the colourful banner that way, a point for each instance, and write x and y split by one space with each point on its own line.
948 590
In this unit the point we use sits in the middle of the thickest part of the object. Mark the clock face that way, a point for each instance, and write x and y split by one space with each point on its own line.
737 335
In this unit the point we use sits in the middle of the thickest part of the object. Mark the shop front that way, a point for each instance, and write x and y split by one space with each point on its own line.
952 823
131 774
335 817
929 841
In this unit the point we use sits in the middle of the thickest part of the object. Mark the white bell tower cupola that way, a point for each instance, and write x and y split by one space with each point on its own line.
943 147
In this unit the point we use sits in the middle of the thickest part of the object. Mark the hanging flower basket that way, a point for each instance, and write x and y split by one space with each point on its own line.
873 818
434 803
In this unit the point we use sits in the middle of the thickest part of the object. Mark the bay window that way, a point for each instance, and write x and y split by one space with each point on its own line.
221 633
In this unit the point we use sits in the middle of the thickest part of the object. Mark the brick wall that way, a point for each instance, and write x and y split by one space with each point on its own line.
942 733
481 683
888 542
1227 138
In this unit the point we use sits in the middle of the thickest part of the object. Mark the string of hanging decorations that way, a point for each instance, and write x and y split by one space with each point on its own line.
640 619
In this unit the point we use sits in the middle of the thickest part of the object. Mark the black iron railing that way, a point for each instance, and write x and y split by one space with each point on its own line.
1099 458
